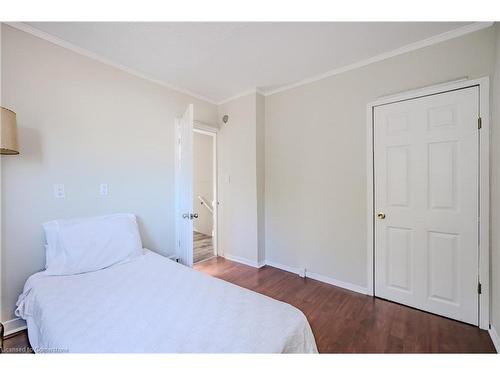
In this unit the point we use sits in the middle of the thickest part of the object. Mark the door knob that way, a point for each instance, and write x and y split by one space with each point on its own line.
193 216
185 216
381 215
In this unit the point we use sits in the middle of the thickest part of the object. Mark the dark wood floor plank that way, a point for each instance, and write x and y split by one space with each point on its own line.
17 343
343 321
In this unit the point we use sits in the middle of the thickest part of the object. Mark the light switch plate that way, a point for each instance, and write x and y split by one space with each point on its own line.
103 189
59 192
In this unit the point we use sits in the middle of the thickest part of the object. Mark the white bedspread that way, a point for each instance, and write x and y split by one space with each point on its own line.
152 304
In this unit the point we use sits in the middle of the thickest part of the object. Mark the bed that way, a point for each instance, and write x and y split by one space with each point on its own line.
151 304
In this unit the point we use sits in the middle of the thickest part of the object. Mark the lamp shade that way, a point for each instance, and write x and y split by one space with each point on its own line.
8 135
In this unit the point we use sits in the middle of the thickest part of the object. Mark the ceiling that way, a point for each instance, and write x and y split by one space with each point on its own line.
217 60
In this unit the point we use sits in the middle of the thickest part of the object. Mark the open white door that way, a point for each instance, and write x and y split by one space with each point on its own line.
184 186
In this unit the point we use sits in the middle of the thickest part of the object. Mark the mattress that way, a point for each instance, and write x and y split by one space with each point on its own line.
151 304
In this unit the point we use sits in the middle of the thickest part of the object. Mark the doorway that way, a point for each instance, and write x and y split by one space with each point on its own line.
204 195
195 204
428 193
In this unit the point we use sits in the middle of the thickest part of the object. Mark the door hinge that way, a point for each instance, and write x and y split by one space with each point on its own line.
479 123
479 288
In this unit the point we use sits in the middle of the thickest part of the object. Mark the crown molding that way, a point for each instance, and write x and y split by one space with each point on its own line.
467 29
94 56
254 90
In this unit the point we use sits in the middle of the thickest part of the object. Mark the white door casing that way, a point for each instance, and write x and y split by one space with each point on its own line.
426 175
184 186
211 131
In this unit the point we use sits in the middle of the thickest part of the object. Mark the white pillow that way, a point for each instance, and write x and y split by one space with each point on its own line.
90 244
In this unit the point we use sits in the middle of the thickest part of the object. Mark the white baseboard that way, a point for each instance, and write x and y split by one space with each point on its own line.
283 267
340 284
495 338
14 325
322 278
244 261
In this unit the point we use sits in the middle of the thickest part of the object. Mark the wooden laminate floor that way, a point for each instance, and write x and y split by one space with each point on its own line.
347 322
203 247
17 343
344 321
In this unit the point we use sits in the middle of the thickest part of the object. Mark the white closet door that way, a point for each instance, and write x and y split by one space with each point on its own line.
184 186
426 184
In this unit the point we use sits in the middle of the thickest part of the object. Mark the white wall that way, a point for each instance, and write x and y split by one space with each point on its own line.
315 198
495 192
82 123
203 181
237 156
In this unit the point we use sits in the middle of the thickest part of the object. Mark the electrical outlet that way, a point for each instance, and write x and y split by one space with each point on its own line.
302 272
59 192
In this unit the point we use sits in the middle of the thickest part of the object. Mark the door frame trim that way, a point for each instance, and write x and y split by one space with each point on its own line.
484 182
202 128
